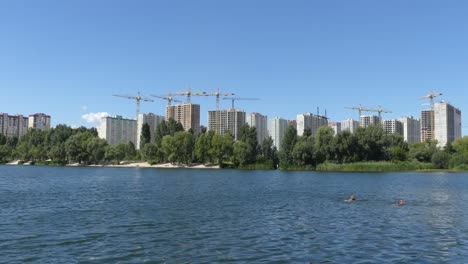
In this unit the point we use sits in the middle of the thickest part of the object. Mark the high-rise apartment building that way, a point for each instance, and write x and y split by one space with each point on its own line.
311 121
153 122
260 122
393 126
277 129
350 125
117 130
223 121
187 114
13 126
447 123
39 121
411 129
427 125
369 120
336 126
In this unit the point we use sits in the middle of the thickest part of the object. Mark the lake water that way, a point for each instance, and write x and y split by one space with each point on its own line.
103 215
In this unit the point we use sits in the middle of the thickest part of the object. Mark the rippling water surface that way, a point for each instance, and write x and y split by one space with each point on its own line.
102 215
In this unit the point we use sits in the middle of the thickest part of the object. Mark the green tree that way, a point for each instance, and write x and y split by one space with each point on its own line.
440 159
145 137
422 151
241 154
346 147
58 154
76 147
248 135
202 148
303 151
150 152
323 145
116 153
96 149
289 140
5 153
268 153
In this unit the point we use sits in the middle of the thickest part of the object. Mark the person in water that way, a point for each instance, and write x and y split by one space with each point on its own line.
352 198
401 202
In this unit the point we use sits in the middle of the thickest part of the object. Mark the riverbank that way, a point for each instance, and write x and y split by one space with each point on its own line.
126 164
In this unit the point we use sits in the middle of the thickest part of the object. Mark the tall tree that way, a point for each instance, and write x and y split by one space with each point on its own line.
145 137
289 140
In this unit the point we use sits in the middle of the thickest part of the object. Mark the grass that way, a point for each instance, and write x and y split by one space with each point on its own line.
377 166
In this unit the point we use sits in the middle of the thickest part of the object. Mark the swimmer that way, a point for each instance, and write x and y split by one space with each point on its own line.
401 202
352 198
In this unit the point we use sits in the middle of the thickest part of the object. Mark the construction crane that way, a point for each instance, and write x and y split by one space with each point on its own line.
217 94
168 98
189 94
380 111
137 98
360 109
431 97
237 99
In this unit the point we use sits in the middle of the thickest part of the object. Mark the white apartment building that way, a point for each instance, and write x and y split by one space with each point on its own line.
336 126
411 129
117 130
152 120
350 125
39 121
260 122
369 120
229 120
393 126
311 121
447 123
277 129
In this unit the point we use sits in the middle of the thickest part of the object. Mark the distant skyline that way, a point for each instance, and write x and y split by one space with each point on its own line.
67 58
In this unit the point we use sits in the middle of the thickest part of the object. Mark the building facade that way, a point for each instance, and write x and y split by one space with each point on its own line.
187 114
13 125
223 121
393 126
427 129
310 121
117 130
411 129
369 120
277 129
336 126
39 121
260 122
447 123
152 120
349 124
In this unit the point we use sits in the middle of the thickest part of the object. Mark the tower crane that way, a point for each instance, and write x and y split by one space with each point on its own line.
137 98
360 109
189 94
237 99
431 97
380 111
168 98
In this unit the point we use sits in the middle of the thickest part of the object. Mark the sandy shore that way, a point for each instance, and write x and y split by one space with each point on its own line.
161 165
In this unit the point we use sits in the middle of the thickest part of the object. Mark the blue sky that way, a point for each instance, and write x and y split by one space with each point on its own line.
67 58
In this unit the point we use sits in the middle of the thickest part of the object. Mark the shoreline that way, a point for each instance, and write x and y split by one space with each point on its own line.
129 165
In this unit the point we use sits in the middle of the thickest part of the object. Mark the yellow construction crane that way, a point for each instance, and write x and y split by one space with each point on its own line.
360 110
380 111
137 98
189 94
218 94
168 98
237 99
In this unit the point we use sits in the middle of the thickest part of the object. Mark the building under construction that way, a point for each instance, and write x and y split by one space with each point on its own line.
230 120
187 114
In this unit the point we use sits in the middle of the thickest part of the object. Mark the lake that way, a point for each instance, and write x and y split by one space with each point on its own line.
105 215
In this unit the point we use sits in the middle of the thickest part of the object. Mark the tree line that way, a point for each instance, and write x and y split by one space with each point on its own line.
170 143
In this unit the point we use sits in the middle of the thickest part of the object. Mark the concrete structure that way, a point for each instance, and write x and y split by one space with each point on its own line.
229 120
393 126
411 129
349 124
447 123
13 126
311 121
117 130
153 122
293 123
39 121
369 120
336 126
277 129
260 122
427 128
187 114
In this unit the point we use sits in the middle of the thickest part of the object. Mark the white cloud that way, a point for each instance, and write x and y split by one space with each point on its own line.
94 118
